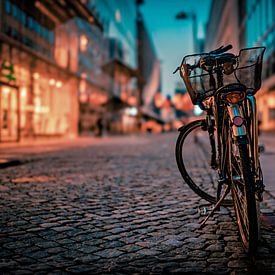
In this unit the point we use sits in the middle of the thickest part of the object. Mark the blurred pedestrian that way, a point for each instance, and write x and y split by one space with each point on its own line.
99 125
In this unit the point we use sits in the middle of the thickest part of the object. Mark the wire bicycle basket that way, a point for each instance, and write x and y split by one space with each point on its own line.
202 84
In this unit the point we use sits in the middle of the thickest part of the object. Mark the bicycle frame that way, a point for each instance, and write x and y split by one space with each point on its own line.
246 133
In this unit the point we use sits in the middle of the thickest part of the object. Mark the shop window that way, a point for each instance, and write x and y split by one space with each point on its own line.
272 113
51 37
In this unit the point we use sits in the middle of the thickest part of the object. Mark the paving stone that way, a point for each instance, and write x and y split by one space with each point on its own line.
172 242
214 247
109 253
237 264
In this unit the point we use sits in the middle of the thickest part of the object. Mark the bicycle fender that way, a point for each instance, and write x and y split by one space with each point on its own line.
181 128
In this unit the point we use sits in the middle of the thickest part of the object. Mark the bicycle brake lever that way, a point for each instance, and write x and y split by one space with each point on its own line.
177 69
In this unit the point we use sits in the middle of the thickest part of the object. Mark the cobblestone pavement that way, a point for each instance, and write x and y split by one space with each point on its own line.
117 207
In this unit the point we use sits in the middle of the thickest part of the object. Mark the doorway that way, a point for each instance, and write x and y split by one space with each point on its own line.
9 113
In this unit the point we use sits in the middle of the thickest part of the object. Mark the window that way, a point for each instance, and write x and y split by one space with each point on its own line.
272 113
14 11
8 7
36 26
51 37
30 23
23 19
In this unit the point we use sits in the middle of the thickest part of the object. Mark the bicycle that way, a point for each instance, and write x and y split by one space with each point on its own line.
224 85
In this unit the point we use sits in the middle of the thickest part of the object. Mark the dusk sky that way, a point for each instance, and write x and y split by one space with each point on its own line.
173 38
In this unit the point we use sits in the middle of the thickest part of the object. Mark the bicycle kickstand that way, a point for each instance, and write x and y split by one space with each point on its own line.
217 205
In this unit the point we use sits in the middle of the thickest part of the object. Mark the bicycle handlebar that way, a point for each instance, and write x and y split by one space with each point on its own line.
217 52
222 49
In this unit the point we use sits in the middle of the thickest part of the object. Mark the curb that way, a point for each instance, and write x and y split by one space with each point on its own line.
13 162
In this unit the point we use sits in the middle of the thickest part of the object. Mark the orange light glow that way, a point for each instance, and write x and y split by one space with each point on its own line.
6 91
59 84
36 75
83 98
271 101
167 104
23 92
52 81
187 104
132 100
83 43
159 100
82 86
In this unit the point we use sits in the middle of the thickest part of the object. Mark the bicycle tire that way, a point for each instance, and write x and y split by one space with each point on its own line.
245 203
189 128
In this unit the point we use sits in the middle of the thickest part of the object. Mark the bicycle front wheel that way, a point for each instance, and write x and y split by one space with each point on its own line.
243 193
193 155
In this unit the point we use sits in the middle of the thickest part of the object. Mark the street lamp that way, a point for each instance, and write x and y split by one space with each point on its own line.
184 16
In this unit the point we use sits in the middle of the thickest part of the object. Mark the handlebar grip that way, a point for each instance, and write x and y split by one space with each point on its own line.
226 48
222 49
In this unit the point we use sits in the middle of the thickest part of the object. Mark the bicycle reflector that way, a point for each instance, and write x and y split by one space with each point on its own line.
238 121
234 97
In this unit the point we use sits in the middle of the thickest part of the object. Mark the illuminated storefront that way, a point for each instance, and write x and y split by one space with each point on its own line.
43 52
41 101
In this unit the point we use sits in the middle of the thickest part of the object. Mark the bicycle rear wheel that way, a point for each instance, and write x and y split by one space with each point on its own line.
243 193
193 154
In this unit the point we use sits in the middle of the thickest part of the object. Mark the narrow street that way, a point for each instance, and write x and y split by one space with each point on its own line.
116 206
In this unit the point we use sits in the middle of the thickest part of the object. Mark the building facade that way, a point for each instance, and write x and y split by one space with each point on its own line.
82 47
258 29
119 21
38 88
244 24
149 79
223 25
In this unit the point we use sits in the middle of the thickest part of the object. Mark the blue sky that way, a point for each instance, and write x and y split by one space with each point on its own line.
173 38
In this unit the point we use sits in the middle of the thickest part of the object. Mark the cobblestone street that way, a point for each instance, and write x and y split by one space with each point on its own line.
117 206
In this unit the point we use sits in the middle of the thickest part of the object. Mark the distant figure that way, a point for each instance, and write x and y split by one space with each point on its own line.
99 125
